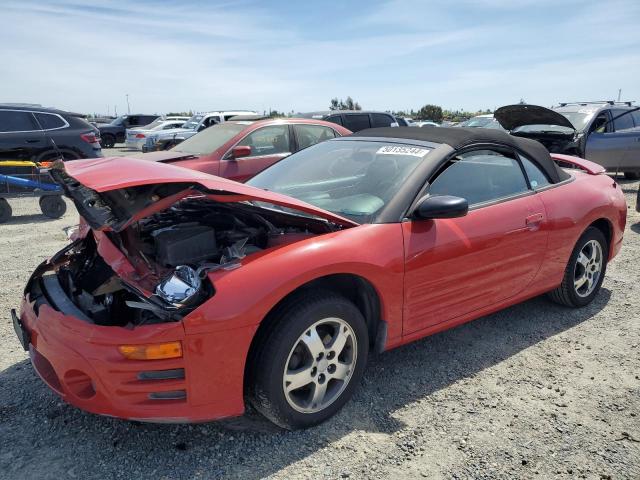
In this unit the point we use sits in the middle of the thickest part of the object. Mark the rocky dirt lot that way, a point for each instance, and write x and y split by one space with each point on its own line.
535 391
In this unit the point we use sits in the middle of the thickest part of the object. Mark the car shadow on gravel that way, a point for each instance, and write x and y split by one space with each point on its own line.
40 433
30 218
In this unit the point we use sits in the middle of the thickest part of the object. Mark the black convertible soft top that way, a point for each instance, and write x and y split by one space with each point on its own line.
458 138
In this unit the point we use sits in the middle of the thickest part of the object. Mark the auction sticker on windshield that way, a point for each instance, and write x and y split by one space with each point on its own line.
402 150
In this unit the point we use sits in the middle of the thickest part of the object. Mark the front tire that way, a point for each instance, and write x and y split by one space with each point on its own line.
310 362
5 211
53 206
585 271
107 141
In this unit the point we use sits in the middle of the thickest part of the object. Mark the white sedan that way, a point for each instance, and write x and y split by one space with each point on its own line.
136 137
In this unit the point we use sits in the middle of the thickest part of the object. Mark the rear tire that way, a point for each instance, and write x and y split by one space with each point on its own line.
53 206
107 140
5 211
632 175
585 271
311 360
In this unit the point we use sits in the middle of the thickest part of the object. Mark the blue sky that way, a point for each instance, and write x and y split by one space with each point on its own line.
285 55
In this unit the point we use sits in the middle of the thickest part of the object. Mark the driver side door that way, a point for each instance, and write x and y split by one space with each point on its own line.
456 266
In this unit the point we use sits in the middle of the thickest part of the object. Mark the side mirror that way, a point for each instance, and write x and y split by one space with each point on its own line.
240 151
440 206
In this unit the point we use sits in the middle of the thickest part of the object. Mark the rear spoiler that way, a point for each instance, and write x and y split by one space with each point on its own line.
568 161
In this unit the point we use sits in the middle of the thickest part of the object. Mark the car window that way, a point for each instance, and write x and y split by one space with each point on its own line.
335 119
381 120
48 121
308 135
209 121
480 176
356 122
636 117
268 141
11 121
624 120
537 178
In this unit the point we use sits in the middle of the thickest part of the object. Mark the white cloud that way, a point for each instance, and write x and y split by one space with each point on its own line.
179 56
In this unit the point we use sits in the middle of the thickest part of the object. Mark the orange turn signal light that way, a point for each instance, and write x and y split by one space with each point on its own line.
154 351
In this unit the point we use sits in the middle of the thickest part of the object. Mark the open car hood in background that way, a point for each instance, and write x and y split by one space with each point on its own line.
514 116
111 193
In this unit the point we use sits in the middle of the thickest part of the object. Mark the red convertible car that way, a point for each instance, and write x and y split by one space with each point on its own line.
240 149
186 294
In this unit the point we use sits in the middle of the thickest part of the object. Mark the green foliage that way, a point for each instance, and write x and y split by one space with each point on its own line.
348 104
431 112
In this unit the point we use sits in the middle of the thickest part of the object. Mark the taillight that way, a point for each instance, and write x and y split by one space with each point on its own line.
140 135
89 137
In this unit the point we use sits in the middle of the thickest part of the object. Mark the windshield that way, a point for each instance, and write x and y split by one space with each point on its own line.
116 122
481 122
210 139
354 179
193 122
152 125
578 119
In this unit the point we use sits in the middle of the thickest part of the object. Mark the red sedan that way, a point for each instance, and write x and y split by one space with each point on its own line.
240 149
186 294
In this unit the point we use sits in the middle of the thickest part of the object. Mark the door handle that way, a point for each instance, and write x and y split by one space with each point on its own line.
533 220
33 140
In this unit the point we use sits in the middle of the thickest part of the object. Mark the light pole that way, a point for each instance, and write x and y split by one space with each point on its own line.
128 108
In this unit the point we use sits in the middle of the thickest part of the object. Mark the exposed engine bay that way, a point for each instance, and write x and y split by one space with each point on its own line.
172 251
556 142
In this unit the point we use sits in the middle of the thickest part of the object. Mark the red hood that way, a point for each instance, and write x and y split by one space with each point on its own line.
116 173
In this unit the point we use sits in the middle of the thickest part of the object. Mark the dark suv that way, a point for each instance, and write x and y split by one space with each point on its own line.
115 132
356 120
38 134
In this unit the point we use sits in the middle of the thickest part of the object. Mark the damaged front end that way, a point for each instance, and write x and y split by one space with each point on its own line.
150 248
547 126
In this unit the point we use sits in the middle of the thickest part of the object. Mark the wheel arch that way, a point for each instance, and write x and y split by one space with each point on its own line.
606 227
354 287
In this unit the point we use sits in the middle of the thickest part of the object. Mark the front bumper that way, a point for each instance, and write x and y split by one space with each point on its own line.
80 362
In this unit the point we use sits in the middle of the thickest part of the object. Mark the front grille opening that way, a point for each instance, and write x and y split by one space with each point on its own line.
174 374
170 395
45 370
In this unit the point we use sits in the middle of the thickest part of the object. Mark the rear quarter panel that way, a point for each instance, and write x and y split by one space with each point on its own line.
570 209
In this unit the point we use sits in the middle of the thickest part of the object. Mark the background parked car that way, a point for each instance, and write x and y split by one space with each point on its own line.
198 122
115 132
604 132
424 123
240 149
136 137
38 134
482 121
355 120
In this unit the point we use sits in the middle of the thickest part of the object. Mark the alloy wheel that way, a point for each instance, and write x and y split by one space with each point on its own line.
320 365
588 268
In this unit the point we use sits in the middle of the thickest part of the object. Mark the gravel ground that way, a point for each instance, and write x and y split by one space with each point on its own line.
535 391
